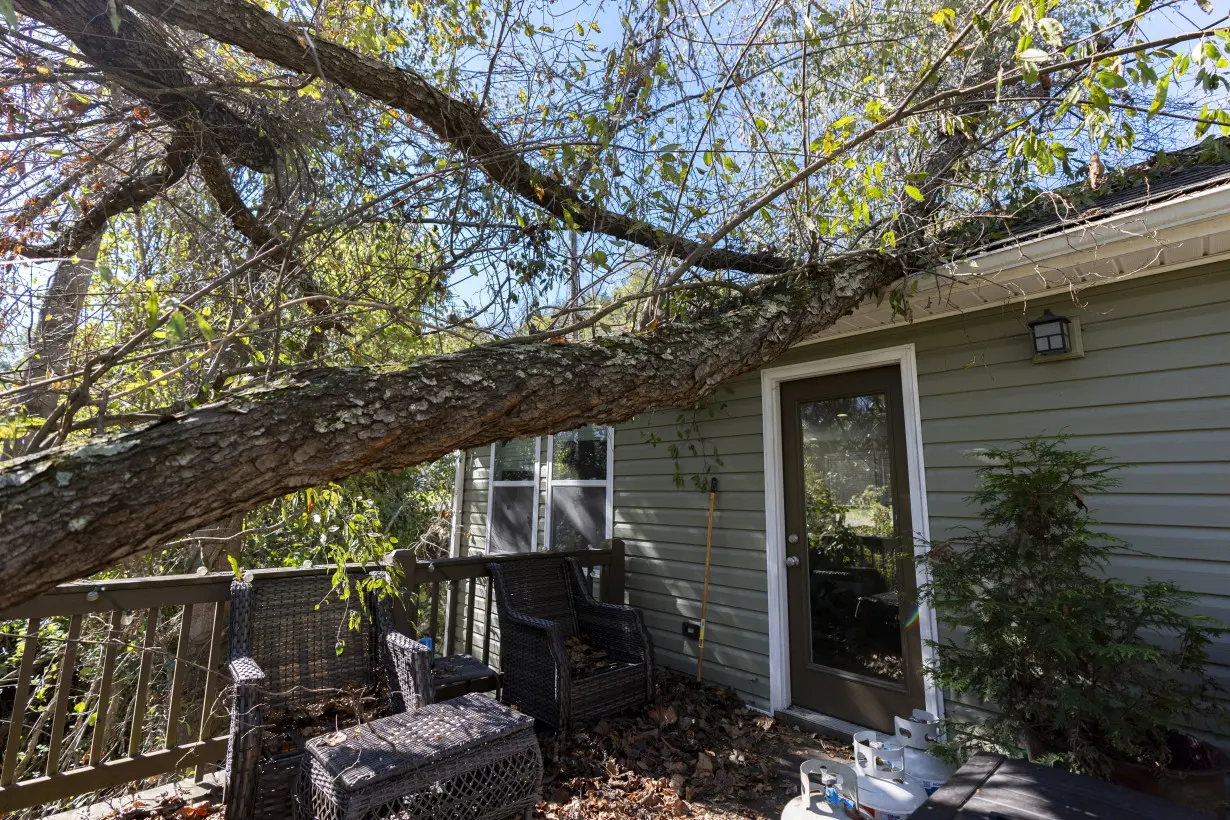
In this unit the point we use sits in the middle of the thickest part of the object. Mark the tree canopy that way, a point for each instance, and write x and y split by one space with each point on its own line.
255 246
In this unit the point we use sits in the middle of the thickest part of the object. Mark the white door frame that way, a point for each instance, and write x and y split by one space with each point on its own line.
775 510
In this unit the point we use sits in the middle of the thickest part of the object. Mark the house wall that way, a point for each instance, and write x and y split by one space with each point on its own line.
1153 389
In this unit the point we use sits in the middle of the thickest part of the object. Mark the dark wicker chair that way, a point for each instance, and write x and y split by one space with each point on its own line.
542 602
283 655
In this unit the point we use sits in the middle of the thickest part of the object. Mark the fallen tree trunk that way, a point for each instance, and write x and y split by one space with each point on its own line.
72 511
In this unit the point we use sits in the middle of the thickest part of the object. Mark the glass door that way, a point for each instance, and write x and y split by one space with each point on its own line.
855 650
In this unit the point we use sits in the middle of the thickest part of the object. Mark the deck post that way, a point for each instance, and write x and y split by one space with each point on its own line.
405 610
613 574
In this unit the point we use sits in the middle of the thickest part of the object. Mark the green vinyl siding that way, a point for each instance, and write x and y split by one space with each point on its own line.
1153 389
663 527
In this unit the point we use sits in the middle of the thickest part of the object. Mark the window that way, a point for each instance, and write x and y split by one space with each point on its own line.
512 500
579 499
578 492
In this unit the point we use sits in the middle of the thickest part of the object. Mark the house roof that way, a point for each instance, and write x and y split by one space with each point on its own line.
1067 210
1153 182
1169 213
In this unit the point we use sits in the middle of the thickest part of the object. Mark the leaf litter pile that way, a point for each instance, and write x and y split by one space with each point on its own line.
696 752
171 807
585 660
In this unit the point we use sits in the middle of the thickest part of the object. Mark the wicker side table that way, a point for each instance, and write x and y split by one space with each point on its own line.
468 759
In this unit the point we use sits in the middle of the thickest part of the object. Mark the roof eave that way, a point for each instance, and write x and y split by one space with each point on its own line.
1189 229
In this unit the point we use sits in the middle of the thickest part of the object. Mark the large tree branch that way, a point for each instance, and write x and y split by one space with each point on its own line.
461 125
72 511
128 194
139 59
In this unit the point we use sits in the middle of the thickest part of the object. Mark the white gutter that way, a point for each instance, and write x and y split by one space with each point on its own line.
1127 231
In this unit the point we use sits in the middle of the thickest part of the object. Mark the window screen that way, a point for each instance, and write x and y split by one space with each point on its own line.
578 516
512 518
513 511
580 488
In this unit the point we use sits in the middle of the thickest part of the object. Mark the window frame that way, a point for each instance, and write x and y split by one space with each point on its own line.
492 483
608 483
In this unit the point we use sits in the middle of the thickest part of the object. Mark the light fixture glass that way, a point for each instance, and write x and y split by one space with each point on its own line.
1050 334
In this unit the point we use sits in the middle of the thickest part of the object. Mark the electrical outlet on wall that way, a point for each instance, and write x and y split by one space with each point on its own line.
691 631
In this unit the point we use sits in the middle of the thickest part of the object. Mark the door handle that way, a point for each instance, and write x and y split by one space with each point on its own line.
792 561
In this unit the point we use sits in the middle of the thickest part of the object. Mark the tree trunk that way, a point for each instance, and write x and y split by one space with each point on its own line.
72 511
57 324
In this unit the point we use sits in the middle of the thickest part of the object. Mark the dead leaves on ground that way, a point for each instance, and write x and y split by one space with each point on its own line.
172 807
695 752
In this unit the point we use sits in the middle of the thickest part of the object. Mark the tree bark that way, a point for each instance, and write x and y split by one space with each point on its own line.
57 324
75 510
458 123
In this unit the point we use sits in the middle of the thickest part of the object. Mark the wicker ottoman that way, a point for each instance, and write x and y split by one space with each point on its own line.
466 759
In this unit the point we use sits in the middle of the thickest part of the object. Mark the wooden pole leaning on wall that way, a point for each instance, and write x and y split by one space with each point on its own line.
704 598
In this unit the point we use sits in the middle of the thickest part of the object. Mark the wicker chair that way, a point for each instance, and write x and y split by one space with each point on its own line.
284 655
542 602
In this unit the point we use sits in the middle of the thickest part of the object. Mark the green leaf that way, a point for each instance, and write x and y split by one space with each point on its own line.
207 330
913 193
1205 5
178 326
1098 98
10 13
151 311
1110 79
1033 56
234 567
1051 30
729 164
1159 96
944 17
762 124
113 10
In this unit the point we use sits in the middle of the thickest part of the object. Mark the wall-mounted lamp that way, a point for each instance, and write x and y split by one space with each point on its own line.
1055 337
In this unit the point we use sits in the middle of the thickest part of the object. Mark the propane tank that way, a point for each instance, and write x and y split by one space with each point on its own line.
837 798
914 734
885 791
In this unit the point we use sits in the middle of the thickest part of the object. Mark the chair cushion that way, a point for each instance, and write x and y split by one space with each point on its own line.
397 744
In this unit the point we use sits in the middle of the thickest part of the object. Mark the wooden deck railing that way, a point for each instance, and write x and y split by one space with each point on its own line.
63 710
68 729
448 597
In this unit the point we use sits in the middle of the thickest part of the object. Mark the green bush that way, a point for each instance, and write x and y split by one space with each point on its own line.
1082 668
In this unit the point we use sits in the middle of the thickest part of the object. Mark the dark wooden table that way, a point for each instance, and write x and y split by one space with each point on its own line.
991 787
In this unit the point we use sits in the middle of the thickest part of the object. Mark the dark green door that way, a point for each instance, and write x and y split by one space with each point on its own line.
855 651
